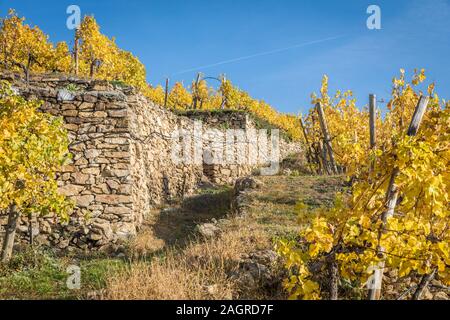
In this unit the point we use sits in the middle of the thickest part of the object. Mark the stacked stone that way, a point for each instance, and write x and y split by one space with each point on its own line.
156 177
224 119
98 178
122 164
253 157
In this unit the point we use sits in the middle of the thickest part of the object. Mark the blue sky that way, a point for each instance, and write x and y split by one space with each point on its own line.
170 37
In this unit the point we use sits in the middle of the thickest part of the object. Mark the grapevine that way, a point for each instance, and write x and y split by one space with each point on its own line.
350 234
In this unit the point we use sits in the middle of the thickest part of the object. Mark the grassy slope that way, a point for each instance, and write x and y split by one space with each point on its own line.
168 260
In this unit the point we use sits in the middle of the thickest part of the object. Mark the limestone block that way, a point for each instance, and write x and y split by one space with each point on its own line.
71 190
113 199
84 201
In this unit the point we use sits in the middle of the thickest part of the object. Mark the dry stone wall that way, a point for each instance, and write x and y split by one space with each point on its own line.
156 178
122 165
250 147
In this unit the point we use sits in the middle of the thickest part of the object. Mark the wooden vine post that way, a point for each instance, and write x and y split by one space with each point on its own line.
326 137
323 156
309 152
372 125
424 282
224 98
195 91
391 200
30 229
318 157
316 151
372 120
166 92
11 227
76 50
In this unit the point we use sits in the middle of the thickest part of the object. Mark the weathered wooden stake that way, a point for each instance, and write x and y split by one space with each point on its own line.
334 278
424 282
372 120
309 152
10 234
326 137
317 149
30 229
318 158
224 99
372 126
418 116
323 157
392 196
75 50
166 93
195 100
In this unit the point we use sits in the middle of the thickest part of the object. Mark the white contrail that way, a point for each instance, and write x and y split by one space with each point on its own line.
257 55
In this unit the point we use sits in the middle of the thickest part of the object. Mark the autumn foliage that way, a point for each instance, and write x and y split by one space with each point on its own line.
27 49
33 148
348 237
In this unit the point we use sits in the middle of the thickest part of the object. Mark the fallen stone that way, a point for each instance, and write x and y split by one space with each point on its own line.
213 289
247 183
441 296
266 257
208 230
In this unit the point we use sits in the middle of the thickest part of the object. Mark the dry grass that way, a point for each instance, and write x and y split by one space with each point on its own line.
168 260
199 269
170 279
146 242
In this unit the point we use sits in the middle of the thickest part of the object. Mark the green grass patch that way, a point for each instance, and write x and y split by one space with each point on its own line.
34 274
37 273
